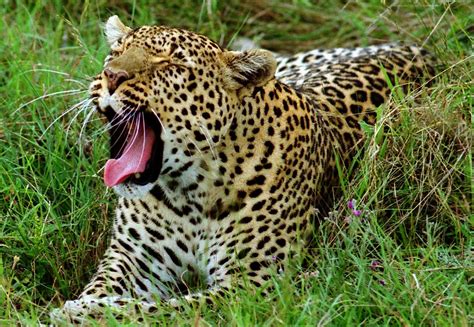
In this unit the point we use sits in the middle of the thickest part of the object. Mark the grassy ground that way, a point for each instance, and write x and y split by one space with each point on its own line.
406 260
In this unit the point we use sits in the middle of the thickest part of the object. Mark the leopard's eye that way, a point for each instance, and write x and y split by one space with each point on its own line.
160 60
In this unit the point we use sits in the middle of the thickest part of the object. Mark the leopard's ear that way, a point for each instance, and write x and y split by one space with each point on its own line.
115 29
248 68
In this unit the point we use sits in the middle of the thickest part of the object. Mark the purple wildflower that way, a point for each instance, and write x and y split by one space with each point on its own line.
356 213
351 204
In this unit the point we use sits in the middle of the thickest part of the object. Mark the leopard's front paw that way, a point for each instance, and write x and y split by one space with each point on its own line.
72 312
81 310
90 308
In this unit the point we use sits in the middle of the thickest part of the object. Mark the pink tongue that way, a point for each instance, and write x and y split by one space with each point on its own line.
133 159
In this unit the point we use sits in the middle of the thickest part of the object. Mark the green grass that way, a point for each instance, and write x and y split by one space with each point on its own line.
407 260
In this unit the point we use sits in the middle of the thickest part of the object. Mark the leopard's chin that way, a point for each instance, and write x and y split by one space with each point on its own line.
130 190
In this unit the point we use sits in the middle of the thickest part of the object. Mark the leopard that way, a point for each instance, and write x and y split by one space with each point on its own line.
221 159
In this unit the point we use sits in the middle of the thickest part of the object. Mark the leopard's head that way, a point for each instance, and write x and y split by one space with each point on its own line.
170 97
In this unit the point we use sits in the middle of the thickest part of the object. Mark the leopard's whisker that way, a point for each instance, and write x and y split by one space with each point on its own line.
76 81
73 107
83 108
86 121
49 95
119 118
161 123
195 145
141 121
208 137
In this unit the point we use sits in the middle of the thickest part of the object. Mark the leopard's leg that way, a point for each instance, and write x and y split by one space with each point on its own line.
97 301
116 285
133 269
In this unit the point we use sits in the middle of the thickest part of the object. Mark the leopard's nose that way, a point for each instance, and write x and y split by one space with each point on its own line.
114 79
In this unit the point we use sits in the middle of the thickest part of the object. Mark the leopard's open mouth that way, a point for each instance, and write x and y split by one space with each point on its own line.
136 149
